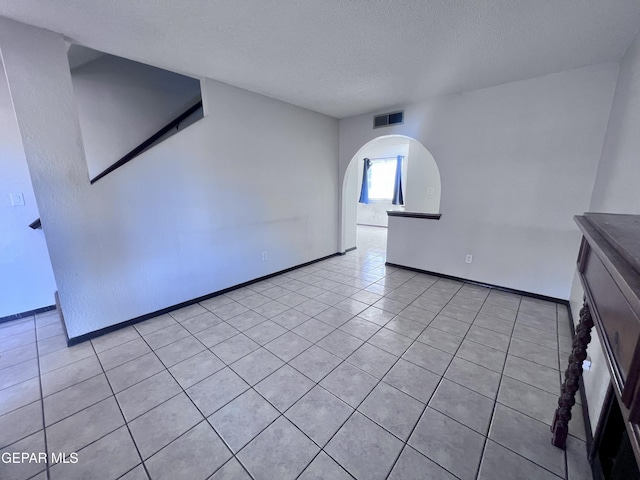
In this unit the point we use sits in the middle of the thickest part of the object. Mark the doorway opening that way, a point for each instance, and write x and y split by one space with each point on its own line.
365 223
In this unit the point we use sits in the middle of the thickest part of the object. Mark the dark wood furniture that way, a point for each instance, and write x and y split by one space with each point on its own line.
609 269
402 213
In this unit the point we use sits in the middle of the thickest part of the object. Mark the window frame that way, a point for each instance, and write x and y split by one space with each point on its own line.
386 161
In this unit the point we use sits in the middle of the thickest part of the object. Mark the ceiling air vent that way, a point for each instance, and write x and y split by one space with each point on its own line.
387 119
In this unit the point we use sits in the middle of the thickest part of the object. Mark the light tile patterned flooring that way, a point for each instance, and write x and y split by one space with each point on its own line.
345 368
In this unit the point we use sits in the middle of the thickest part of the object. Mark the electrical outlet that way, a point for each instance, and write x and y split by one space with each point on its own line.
468 258
265 257
431 191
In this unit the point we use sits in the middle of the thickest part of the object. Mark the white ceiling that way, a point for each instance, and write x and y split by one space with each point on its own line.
346 57
79 55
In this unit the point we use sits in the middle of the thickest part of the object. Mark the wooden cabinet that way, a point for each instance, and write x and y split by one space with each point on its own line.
609 269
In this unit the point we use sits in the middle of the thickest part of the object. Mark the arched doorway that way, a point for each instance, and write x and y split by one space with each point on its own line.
421 184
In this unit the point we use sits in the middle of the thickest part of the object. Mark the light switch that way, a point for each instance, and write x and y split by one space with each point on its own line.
17 199
431 191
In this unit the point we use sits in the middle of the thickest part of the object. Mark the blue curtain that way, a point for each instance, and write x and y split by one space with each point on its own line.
364 191
398 199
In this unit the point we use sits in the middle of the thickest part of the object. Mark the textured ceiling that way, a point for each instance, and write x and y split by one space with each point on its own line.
346 57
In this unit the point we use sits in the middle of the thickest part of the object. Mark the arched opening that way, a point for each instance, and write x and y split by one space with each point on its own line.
420 185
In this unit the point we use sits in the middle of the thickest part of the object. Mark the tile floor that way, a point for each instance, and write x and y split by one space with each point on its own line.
342 369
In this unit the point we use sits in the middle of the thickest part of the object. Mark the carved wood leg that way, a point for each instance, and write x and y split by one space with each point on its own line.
560 426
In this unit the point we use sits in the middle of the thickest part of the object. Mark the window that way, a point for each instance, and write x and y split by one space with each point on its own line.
382 175
382 181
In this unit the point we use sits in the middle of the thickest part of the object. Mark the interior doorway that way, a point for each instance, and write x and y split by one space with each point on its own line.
386 156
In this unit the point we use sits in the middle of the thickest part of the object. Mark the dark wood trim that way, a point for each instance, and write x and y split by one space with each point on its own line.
596 469
622 238
348 250
18 316
112 328
592 450
482 284
611 282
582 255
35 224
572 376
612 367
621 272
425 216
147 143
634 401
609 398
583 392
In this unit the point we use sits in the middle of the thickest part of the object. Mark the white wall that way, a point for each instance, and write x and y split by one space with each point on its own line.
26 278
616 186
423 183
190 216
121 103
615 191
517 161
